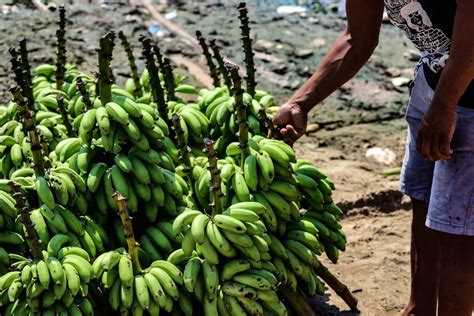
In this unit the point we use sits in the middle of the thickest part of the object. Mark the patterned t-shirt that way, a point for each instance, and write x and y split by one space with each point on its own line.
429 25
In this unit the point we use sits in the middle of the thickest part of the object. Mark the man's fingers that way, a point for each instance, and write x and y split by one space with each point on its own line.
293 132
445 147
282 117
286 137
434 153
426 149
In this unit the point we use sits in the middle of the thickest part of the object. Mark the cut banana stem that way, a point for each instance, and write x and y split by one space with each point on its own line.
184 149
241 111
63 112
210 63
297 301
264 119
338 287
128 231
156 88
17 67
30 127
220 62
105 74
31 236
167 71
247 46
26 65
215 178
61 52
137 90
81 85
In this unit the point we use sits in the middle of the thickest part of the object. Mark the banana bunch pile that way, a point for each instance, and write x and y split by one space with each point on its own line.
237 230
180 85
121 146
144 177
14 148
238 289
151 289
58 281
220 231
263 196
194 123
159 241
237 241
219 107
321 212
63 226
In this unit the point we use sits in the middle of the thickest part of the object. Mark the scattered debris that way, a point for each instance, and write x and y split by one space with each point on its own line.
291 9
381 155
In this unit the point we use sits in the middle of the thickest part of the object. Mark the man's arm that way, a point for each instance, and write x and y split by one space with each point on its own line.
438 125
347 55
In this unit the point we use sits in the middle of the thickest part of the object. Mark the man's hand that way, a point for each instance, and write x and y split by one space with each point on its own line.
292 120
436 132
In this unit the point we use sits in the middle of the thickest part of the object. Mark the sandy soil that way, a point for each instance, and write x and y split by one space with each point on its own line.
376 265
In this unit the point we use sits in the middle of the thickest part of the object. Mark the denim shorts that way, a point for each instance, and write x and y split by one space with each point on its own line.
448 185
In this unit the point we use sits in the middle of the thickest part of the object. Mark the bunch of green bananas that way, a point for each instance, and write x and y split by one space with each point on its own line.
150 289
193 122
159 241
59 280
61 225
238 231
321 212
179 81
219 106
144 177
276 214
238 289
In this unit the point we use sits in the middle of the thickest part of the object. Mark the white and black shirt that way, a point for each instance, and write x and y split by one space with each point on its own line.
429 25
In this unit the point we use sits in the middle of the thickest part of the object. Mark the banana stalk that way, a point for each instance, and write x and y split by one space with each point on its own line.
169 79
17 68
61 67
241 111
247 46
137 91
156 88
216 204
297 301
185 157
45 150
30 128
210 63
338 287
167 71
264 119
61 52
26 65
159 56
128 231
81 85
220 62
63 112
105 73
31 236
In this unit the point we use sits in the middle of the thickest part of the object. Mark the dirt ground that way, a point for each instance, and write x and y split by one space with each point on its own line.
366 112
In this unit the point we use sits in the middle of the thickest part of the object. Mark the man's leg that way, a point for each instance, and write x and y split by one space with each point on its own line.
425 264
456 292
